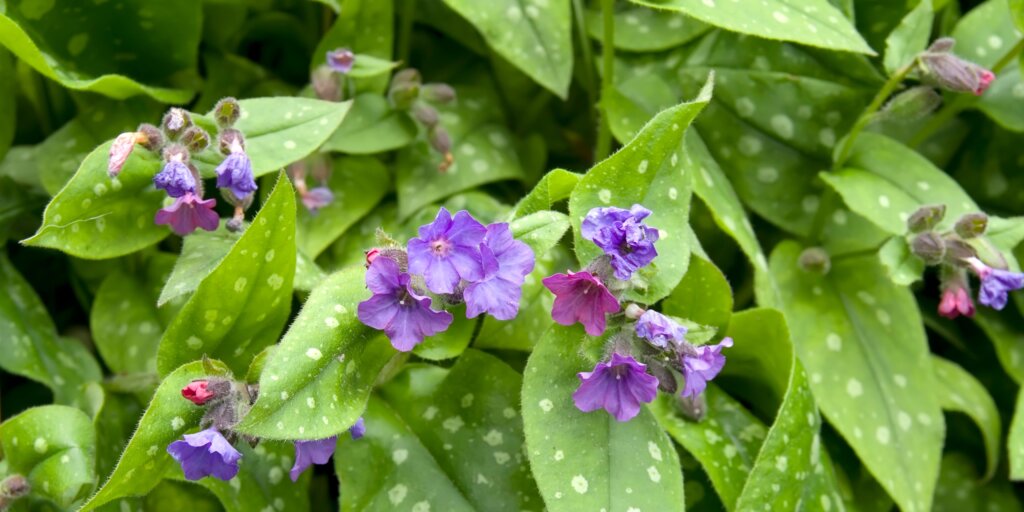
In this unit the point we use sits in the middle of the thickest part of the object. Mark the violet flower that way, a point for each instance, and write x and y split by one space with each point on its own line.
447 251
995 283
176 179
581 297
702 365
660 330
506 263
397 309
341 60
188 213
618 386
622 235
317 198
206 453
320 451
358 430
235 173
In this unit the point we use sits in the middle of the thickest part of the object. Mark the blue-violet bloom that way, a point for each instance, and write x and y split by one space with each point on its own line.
206 453
188 213
341 60
506 263
702 366
317 198
618 386
176 179
235 172
447 251
358 430
319 451
397 309
581 297
622 235
995 283
660 330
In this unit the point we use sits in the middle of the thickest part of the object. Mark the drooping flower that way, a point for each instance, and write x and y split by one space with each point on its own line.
506 263
618 386
320 451
943 68
317 198
176 179
341 60
188 213
702 365
660 330
397 309
955 302
235 173
197 392
206 453
359 429
581 297
119 151
996 283
447 251
622 235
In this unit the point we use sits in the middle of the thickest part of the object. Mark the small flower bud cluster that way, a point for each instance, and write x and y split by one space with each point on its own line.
454 260
959 251
408 92
319 169
328 80
210 453
939 66
640 359
12 488
177 139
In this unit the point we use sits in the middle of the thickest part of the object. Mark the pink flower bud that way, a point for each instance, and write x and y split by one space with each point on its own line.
371 255
119 151
197 392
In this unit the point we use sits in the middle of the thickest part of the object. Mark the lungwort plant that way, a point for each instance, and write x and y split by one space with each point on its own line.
511 255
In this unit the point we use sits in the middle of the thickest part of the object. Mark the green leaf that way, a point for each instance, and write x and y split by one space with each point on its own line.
372 127
903 266
54 446
535 37
959 391
32 348
703 296
358 184
1015 440
1002 100
262 482
588 461
639 29
367 28
114 422
316 382
959 488
8 102
909 38
1006 340
368 66
987 32
257 276
94 217
77 50
482 147
145 460
555 186
450 343
540 230
860 337
810 22
646 171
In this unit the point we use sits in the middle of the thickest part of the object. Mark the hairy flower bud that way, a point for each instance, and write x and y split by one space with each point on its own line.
926 218
176 152
197 392
440 140
228 138
371 255
438 93
405 88
325 84
150 137
226 112
694 408
634 311
175 122
957 251
120 150
195 139
234 224
911 104
943 68
666 379
425 114
929 246
15 486
815 259
971 225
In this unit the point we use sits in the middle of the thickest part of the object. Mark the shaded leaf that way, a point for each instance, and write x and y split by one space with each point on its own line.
903 267
909 38
372 127
358 184
959 391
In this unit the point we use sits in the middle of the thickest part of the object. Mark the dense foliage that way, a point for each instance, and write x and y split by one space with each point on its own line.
567 255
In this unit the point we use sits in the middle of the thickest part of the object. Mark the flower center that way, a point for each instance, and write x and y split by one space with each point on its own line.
440 247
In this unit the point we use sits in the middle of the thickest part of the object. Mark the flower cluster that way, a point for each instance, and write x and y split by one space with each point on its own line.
176 141
959 252
456 259
407 92
210 453
620 382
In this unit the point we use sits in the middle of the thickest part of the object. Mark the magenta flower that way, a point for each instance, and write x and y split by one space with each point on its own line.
206 453
660 330
618 386
176 179
188 213
235 173
341 60
956 302
622 235
397 309
506 262
581 297
702 365
996 283
447 251
320 451
317 198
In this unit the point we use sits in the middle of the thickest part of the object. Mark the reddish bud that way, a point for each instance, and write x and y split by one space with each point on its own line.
372 255
956 302
197 392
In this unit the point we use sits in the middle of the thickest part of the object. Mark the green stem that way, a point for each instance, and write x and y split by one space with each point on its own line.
604 133
961 101
588 58
405 31
876 103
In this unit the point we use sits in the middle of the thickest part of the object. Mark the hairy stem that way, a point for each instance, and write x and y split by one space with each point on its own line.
604 134
876 103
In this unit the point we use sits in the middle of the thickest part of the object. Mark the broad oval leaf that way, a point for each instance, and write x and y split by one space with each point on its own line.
358 184
588 461
909 38
242 305
554 186
1015 440
959 391
372 126
703 296
640 29
903 266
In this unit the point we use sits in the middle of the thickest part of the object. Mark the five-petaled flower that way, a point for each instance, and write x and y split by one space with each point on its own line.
506 263
660 330
396 308
622 235
618 386
447 251
702 365
188 213
206 453
581 297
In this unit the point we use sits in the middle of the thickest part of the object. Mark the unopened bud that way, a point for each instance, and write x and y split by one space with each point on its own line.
666 379
815 259
971 225
943 68
341 60
425 114
371 255
176 152
15 486
440 140
234 225
226 112
150 137
197 392
404 89
911 104
176 121
325 84
229 139
926 218
692 408
957 251
195 139
634 311
120 150
438 93
929 246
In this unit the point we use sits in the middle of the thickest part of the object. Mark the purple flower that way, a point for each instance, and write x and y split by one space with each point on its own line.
235 173
995 283
175 178
317 198
358 430
659 330
341 60
622 236
580 297
506 262
308 453
188 213
206 453
447 251
702 366
618 386
396 309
